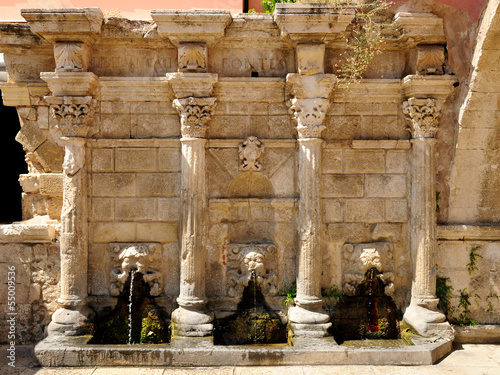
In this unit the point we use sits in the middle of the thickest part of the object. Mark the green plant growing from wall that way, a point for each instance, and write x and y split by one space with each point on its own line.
464 303
490 303
444 292
365 40
473 256
438 197
290 294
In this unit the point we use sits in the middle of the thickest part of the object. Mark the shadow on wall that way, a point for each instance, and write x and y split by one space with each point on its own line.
12 155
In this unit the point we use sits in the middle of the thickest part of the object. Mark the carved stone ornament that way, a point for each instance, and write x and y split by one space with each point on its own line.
430 60
245 259
73 114
192 57
71 57
141 257
309 114
422 117
358 259
311 58
74 158
250 151
194 114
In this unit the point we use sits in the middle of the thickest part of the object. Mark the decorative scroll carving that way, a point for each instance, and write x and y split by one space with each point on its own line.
422 117
358 259
310 58
430 60
71 57
141 257
194 114
245 259
192 57
309 114
74 114
250 151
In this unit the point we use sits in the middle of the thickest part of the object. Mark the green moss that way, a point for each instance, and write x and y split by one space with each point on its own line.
153 328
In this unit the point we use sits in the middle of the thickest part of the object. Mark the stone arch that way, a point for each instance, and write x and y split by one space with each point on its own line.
474 177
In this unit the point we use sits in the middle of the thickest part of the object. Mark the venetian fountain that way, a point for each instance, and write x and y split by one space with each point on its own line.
210 161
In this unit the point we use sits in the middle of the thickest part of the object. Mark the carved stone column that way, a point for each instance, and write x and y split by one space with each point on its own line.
74 115
422 118
192 317
311 89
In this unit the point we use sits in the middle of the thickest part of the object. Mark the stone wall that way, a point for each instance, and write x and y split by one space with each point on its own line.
213 149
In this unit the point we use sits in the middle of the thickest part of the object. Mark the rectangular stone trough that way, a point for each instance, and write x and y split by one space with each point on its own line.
199 352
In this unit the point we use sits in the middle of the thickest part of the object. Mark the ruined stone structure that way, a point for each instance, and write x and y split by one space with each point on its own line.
202 148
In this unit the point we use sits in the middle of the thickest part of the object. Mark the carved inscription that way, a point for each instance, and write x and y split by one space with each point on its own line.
137 62
240 63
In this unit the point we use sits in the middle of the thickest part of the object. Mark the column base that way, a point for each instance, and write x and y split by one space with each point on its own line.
192 321
308 320
425 318
71 321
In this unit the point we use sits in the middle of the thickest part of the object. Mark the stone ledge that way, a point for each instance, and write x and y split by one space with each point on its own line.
127 143
468 233
481 334
30 231
137 89
60 351
270 143
250 89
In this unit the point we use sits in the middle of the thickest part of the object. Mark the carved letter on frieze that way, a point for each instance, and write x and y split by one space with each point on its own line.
194 114
250 152
192 57
71 57
73 113
140 257
243 260
430 60
422 117
309 114
358 259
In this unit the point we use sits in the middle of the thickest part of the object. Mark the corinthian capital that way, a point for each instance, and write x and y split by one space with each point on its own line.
73 114
422 117
194 114
309 114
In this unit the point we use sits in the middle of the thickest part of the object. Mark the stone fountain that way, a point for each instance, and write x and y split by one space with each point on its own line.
214 153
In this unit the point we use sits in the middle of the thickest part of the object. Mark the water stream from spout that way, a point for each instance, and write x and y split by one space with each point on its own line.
132 272
254 279
371 303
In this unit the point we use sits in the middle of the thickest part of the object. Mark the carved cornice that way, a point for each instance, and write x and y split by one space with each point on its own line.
71 83
73 114
422 117
194 114
310 86
198 85
309 114
250 152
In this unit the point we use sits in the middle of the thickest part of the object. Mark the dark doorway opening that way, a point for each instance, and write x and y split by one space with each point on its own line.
12 156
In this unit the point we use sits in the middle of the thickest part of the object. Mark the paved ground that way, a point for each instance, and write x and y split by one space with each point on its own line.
466 359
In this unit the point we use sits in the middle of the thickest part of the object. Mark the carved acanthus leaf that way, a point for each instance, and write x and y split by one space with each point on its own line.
194 114
71 57
73 114
309 114
422 117
245 261
430 60
139 257
250 152
192 57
